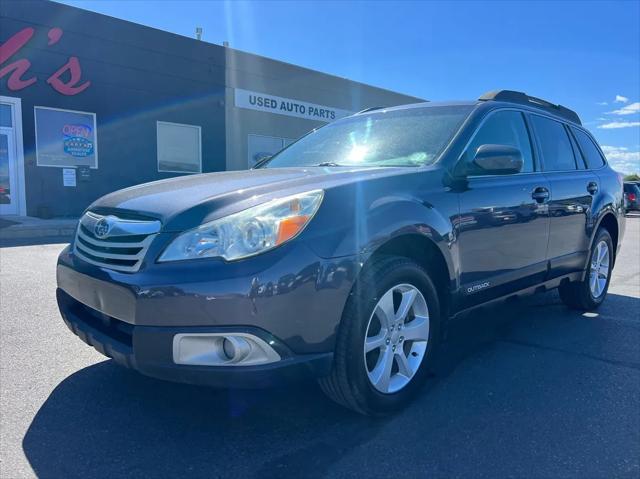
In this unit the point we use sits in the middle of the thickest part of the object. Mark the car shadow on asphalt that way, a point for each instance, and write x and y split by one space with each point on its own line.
105 421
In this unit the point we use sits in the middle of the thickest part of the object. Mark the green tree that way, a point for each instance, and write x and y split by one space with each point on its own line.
632 177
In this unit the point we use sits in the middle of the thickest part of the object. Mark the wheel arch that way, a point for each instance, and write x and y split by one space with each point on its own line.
424 252
608 221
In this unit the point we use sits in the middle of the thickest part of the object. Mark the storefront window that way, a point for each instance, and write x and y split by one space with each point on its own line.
5 189
179 148
5 116
65 138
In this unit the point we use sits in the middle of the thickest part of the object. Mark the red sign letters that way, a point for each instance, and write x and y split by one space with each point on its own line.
18 70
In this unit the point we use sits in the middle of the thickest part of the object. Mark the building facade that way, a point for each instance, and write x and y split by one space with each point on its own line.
90 104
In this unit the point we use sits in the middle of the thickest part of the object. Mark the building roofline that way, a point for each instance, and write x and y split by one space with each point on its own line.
231 49
282 62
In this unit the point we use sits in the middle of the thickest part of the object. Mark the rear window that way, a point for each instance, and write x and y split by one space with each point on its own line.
589 150
555 145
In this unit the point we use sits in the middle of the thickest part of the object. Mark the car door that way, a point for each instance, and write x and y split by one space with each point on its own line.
503 224
573 188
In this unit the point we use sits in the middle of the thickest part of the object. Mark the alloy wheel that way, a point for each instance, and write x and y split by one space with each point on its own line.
599 272
396 339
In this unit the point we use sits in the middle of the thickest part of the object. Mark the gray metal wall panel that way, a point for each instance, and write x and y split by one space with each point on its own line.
138 76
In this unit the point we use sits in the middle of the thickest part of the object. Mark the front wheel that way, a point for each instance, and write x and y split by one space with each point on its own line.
590 293
387 338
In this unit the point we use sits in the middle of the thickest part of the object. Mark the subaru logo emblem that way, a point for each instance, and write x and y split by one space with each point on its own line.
102 228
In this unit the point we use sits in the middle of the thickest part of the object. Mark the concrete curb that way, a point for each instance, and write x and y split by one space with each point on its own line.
33 229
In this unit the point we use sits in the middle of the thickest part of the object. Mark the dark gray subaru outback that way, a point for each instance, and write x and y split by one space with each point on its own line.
343 256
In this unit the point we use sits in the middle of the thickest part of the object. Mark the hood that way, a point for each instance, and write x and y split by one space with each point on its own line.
188 201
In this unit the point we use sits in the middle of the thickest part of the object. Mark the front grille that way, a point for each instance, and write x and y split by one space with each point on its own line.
113 242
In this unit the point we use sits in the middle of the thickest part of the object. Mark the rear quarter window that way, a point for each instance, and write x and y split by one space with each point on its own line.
589 150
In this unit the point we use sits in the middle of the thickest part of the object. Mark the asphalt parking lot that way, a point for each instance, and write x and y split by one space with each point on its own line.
529 389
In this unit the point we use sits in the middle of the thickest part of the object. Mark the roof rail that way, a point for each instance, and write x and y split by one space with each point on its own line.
524 99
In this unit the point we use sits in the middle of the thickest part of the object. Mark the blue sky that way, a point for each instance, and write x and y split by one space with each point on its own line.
585 55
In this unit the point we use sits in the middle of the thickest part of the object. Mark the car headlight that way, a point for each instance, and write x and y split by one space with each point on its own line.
247 233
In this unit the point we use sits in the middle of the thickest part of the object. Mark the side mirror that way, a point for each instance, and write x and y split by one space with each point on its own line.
497 160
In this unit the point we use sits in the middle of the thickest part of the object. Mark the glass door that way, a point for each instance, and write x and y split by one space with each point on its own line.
8 163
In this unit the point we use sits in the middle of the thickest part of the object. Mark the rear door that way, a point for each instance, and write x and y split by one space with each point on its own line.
573 188
503 224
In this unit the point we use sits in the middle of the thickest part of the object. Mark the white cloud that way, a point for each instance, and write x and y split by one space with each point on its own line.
619 124
621 99
621 159
627 109
602 103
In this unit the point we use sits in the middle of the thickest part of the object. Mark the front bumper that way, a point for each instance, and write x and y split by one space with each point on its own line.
148 349
290 292
288 297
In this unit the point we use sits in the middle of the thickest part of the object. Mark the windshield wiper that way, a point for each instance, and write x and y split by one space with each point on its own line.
328 163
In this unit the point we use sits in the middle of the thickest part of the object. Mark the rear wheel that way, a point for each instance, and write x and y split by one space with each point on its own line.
386 339
591 291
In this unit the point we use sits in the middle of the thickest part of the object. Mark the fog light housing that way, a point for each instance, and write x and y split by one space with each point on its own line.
236 348
222 349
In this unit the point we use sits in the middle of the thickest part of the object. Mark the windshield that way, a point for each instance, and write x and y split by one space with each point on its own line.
408 137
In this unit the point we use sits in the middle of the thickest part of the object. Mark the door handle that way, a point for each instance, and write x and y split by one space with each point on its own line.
592 187
540 194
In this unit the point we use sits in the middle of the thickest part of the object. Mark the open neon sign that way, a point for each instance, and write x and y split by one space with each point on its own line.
18 70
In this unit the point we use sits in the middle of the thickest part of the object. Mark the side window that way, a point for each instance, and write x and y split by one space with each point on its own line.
504 128
554 144
577 153
589 150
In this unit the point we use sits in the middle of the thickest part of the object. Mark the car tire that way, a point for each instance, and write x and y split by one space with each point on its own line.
354 371
583 295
